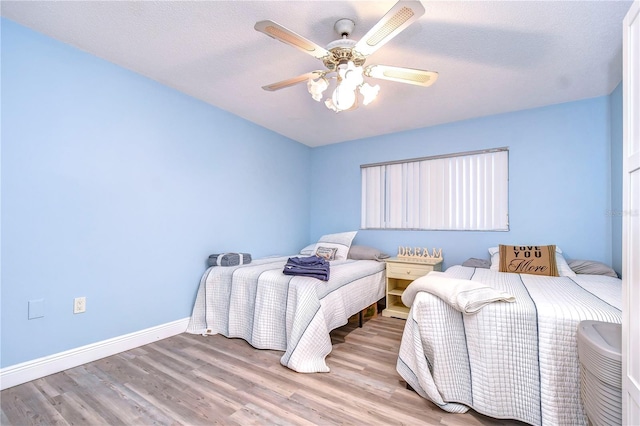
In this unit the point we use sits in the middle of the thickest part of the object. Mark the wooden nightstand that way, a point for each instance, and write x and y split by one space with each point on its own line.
400 273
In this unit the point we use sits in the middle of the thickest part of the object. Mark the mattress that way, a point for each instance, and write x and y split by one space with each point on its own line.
294 314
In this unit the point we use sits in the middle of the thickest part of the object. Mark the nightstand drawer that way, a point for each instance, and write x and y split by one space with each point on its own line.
409 271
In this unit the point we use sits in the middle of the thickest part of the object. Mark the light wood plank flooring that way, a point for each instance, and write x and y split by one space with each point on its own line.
195 380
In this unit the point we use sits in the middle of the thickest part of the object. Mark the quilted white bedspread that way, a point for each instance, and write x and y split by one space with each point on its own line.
510 360
270 310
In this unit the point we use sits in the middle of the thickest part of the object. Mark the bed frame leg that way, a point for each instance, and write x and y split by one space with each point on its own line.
365 310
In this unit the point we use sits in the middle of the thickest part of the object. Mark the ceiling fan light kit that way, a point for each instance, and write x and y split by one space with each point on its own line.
345 58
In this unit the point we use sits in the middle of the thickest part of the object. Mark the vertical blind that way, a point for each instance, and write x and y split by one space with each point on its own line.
467 191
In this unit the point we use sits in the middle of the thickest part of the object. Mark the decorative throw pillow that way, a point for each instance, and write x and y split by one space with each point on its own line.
327 253
341 241
563 268
366 253
535 260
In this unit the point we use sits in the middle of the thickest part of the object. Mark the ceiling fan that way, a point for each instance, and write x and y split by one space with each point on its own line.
344 58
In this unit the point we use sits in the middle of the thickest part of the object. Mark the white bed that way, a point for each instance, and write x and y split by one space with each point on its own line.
294 314
510 360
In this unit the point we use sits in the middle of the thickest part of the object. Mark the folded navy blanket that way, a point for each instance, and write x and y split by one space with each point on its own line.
312 266
310 261
229 259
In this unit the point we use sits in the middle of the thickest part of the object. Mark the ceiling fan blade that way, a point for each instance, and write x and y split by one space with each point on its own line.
402 75
292 81
287 36
399 17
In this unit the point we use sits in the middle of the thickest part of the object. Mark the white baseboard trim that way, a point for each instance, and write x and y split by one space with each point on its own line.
37 368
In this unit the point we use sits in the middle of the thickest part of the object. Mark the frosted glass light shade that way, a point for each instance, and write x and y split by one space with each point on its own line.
352 75
317 87
369 92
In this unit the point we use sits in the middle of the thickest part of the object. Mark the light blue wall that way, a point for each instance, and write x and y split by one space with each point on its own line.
616 177
117 188
559 189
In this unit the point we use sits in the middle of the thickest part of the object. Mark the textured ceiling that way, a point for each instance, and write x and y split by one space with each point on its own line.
492 56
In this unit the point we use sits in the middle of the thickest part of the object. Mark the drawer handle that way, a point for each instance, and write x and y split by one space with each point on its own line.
408 272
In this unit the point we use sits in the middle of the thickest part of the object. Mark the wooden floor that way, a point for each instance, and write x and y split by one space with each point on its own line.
191 380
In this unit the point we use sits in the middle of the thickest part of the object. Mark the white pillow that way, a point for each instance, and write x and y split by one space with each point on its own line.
341 241
563 267
308 250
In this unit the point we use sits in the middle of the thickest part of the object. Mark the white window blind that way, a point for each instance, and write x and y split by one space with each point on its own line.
467 191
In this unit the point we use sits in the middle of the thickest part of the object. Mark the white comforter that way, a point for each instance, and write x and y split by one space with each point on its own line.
295 314
510 360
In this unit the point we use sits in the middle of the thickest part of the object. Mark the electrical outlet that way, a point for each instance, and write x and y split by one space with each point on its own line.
79 305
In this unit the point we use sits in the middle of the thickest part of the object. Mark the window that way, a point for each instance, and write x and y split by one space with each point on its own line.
465 191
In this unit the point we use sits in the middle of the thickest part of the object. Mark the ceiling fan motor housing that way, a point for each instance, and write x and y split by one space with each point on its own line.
342 49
